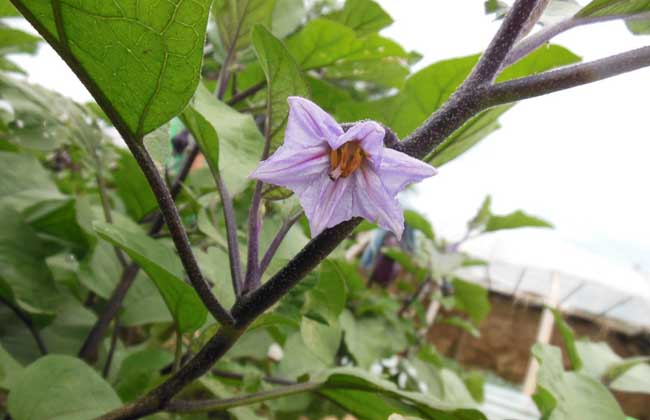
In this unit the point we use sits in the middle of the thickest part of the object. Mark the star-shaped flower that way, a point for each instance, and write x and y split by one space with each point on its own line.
339 175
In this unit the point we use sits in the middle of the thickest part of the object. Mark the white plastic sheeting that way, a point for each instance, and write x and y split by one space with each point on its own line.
508 404
525 262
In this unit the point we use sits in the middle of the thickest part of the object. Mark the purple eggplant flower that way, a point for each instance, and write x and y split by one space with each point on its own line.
339 175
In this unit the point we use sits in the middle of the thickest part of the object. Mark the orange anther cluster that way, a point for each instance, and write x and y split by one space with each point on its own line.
345 160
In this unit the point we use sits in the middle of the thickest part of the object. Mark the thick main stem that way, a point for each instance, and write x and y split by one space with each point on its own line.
178 233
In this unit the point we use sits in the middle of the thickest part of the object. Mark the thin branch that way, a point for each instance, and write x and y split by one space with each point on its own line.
24 317
231 234
176 406
240 377
106 207
178 350
415 296
277 241
111 351
568 77
246 93
488 66
179 236
533 42
253 274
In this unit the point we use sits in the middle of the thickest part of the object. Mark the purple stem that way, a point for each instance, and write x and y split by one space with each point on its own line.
275 244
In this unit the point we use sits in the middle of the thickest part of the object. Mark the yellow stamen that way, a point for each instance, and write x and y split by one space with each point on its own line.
345 160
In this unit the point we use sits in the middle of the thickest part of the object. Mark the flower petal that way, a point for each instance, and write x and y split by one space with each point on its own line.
398 169
332 205
373 202
371 136
309 125
293 168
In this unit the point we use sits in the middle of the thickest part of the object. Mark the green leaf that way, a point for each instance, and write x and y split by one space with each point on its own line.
366 339
466 137
341 54
139 370
100 270
463 324
17 41
140 60
514 220
56 222
7 9
600 361
10 369
287 16
283 78
322 340
144 304
639 26
240 141
482 215
298 359
539 61
203 132
23 181
24 276
614 7
569 340
364 16
471 298
236 18
133 188
619 369
72 391
419 222
571 394
370 397
164 268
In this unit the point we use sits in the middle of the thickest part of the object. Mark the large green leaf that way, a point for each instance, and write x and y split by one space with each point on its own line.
240 141
60 387
364 16
283 78
23 181
24 276
614 8
236 18
164 268
342 54
569 395
141 60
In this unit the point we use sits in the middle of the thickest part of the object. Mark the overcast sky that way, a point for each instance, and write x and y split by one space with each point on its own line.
578 158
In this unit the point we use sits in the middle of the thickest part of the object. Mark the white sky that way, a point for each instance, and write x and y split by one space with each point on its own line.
579 158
